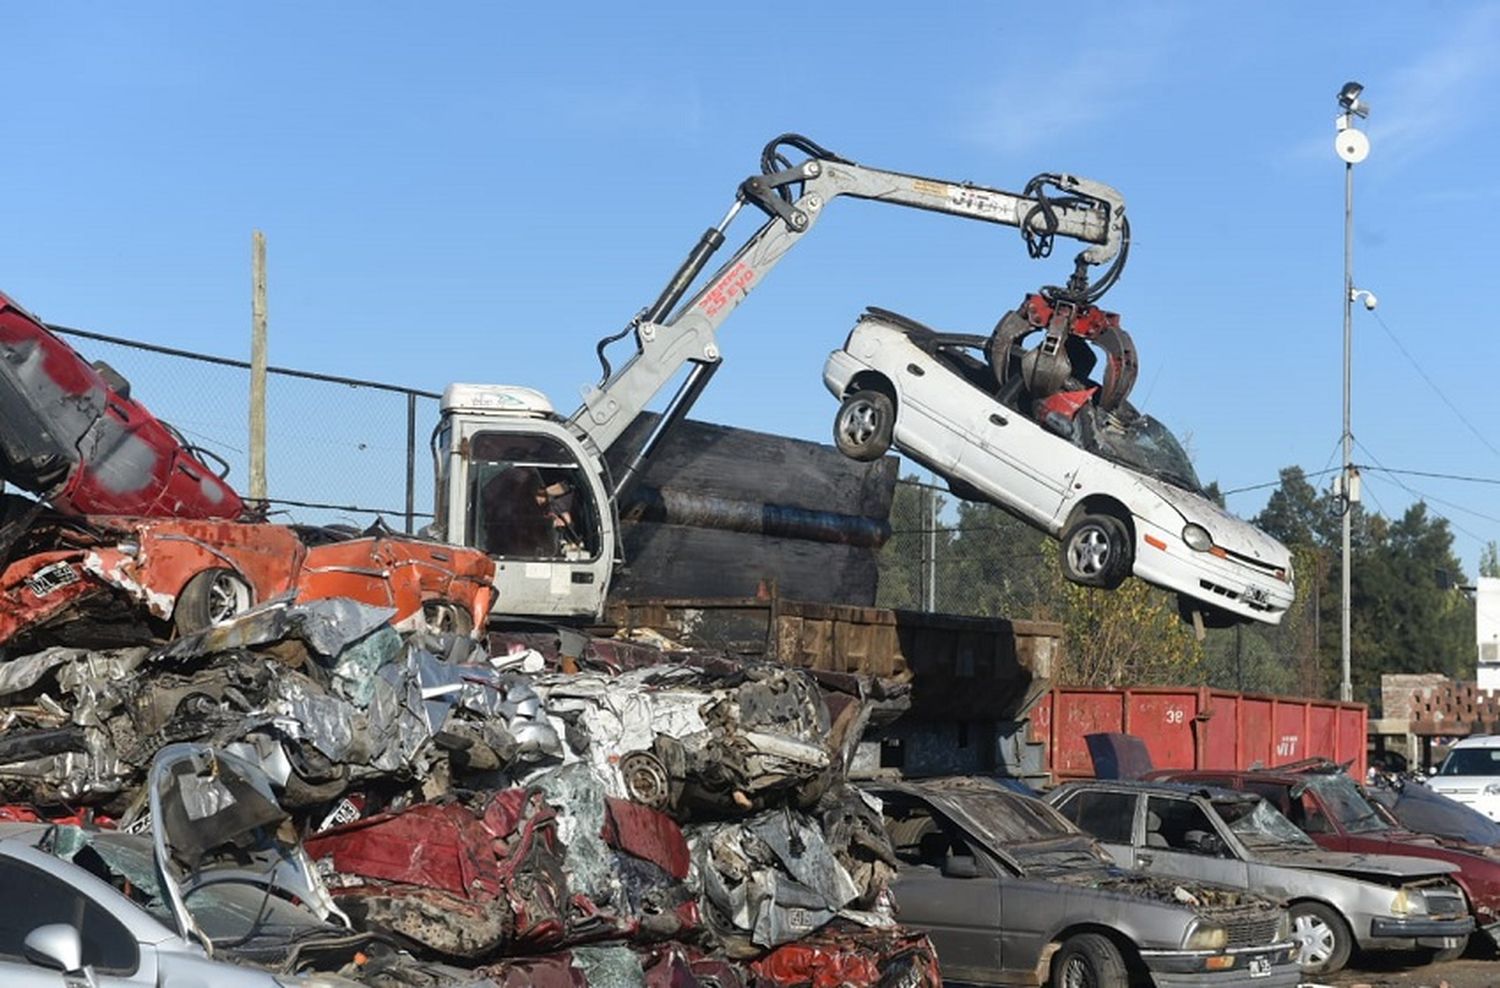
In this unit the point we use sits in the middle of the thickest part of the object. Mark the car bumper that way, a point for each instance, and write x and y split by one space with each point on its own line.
1389 927
839 371
1227 585
1262 966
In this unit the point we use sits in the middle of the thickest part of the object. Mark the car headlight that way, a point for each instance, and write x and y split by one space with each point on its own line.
1207 938
1406 902
1197 538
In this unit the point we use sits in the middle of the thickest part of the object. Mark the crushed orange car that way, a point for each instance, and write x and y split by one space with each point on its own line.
92 580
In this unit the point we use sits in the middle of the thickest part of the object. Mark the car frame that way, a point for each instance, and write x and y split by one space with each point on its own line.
995 919
1337 901
927 394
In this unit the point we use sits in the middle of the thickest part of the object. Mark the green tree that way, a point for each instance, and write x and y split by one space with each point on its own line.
1489 560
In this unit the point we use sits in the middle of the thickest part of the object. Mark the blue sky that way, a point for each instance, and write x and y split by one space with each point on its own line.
480 191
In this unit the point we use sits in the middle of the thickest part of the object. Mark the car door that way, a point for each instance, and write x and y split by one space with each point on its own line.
1033 466
945 889
35 898
1183 840
1106 815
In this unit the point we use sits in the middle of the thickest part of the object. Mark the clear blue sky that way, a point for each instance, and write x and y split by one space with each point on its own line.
480 191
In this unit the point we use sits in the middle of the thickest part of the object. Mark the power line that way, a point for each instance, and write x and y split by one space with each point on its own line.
1277 482
1418 494
1433 384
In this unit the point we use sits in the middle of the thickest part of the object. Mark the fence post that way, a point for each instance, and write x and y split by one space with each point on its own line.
258 366
411 460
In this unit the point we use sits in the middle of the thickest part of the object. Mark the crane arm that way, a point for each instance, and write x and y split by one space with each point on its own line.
668 336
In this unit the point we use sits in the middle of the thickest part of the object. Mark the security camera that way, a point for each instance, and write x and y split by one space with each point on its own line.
1371 301
1350 101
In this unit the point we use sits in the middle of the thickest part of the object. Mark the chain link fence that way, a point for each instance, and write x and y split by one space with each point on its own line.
339 450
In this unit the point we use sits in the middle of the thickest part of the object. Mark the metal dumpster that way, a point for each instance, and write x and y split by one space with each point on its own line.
1196 727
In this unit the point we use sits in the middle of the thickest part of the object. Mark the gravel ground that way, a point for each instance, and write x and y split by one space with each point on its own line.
1396 970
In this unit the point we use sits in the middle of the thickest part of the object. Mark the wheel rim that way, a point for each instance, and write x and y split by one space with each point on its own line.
228 596
1089 551
1315 940
442 617
1076 974
859 422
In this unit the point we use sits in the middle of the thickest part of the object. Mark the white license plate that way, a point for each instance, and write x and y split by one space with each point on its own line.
1259 967
50 578
1256 595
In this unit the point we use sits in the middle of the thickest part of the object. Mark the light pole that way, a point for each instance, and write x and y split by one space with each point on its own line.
1352 147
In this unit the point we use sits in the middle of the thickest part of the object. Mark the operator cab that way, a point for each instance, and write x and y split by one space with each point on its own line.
515 481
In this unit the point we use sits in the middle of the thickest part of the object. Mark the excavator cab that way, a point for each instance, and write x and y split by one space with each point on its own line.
516 482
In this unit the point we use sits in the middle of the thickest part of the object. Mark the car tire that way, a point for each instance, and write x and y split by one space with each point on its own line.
862 428
1089 960
1096 551
1322 938
209 598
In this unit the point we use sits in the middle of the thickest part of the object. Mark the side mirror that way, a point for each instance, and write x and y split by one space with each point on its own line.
960 866
56 945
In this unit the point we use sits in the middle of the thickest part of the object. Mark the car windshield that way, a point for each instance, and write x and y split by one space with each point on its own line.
1144 444
1036 836
1347 804
1471 761
1259 824
230 913
1423 811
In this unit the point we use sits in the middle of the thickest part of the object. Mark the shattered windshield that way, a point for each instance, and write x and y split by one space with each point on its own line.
1039 838
1142 443
1259 824
229 913
1346 804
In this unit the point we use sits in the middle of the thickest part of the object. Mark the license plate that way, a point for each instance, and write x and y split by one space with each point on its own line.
1256 595
1259 967
51 578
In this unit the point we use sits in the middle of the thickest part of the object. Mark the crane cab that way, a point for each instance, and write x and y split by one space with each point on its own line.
514 480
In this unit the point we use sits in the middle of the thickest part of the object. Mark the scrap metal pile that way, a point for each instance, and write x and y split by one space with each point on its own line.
675 824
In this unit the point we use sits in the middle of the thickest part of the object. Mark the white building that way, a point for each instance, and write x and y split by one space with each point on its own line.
1487 631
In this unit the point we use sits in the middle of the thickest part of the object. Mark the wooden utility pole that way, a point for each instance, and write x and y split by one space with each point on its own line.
258 367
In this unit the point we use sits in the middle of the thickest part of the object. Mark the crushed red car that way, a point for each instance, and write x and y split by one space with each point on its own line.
77 580
71 434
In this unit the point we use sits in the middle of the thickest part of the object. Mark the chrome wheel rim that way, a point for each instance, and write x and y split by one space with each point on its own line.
228 596
1076 974
859 422
1089 551
1315 940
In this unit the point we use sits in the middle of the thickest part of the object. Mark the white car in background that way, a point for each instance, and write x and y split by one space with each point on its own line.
1471 774
1115 487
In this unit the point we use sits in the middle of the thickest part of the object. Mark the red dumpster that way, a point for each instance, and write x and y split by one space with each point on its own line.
1197 727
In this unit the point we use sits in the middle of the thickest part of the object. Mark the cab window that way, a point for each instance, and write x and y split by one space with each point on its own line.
529 498
922 837
1107 816
1181 825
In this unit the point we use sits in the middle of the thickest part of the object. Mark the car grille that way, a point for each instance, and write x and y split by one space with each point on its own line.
1223 591
1253 932
1445 904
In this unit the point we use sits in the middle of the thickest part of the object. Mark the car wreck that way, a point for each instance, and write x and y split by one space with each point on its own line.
1338 901
1111 484
458 809
1011 892
117 580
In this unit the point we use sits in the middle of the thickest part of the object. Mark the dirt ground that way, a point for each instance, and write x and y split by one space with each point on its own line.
1396 970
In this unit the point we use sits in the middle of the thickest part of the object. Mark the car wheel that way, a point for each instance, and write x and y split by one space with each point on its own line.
212 597
444 616
1089 960
1096 551
862 428
1322 938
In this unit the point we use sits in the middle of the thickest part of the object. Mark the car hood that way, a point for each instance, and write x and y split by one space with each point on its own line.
1233 534
1379 867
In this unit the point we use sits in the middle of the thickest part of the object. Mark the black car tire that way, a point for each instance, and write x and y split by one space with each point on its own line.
209 598
1332 953
1089 960
862 428
1096 551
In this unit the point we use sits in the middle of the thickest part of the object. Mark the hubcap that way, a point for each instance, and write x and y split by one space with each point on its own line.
1088 552
859 422
227 597
1315 940
1076 974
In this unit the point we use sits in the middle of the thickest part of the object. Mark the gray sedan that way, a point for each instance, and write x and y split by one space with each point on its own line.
1337 901
1011 893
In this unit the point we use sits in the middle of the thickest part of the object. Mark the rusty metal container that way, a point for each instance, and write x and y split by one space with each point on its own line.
1196 727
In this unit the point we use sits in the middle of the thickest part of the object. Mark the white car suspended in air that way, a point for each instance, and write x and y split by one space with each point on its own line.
1113 486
